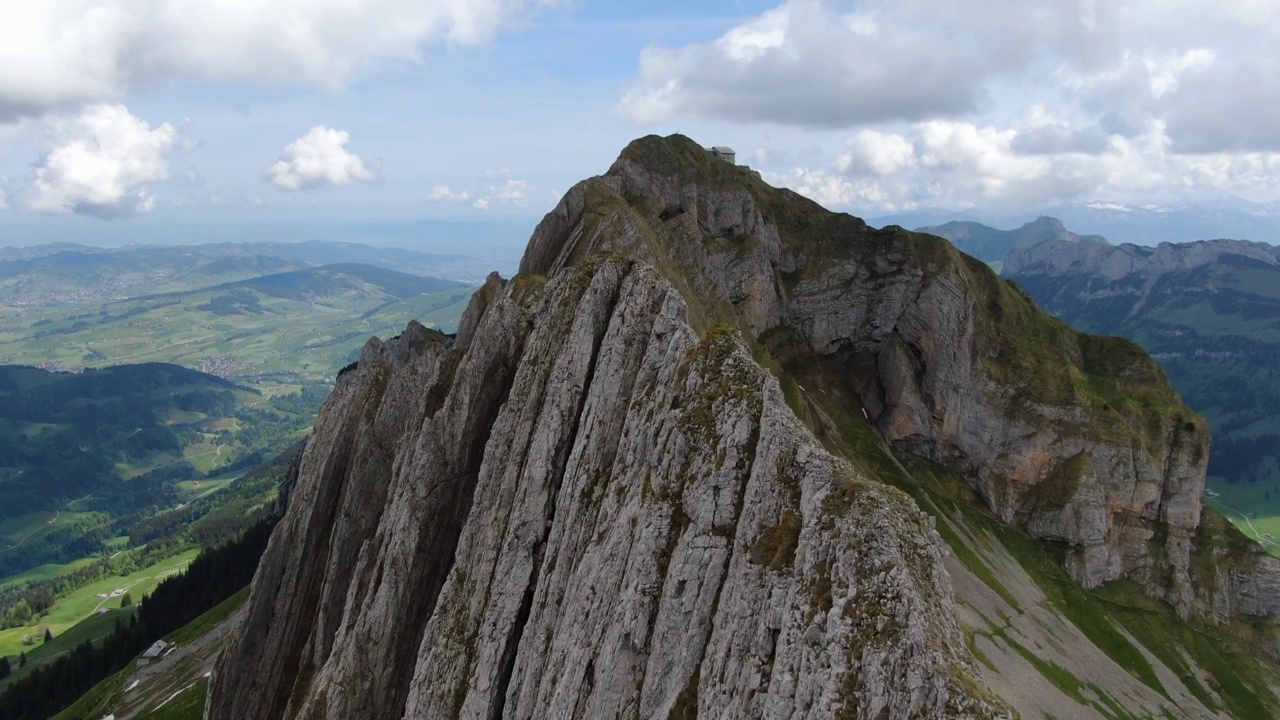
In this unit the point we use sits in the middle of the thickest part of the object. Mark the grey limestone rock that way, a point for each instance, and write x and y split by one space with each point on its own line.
595 502
646 531
910 321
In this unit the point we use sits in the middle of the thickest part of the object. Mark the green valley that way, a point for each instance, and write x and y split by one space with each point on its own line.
152 398
284 329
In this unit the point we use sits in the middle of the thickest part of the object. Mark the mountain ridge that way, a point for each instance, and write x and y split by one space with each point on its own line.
991 245
865 286
626 393
1116 261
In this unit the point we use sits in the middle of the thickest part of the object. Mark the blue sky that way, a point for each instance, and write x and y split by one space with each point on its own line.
135 119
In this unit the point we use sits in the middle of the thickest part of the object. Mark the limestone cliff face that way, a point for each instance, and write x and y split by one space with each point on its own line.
596 502
1185 302
586 509
1074 438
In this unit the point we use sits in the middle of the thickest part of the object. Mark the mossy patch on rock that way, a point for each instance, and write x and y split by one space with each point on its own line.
776 546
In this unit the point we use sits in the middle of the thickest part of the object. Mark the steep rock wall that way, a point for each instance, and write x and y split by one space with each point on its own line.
585 508
1074 438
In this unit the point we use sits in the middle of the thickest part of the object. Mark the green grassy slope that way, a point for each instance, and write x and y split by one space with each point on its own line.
76 616
66 273
174 689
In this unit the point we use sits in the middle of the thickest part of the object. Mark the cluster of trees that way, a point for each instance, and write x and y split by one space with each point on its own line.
1236 393
240 301
211 578
72 539
101 417
153 537
1240 458
91 421
50 469
25 602
305 402
270 430
217 403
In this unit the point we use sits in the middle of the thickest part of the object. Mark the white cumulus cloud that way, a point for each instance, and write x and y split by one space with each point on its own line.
822 187
444 193
64 52
102 164
876 152
317 159
959 164
1010 103
816 63
503 190
510 191
1208 71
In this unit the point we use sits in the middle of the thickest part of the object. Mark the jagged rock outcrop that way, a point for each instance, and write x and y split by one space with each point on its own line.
585 509
1205 308
596 502
945 359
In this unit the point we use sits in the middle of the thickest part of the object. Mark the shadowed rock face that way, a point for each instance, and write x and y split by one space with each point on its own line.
595 503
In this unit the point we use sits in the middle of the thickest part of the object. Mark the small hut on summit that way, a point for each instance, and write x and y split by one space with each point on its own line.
724 153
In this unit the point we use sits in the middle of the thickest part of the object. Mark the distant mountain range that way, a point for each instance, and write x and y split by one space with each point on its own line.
991 245
497 239
1144 224
338 278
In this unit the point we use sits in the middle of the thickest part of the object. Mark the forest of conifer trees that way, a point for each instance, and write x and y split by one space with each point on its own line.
215 575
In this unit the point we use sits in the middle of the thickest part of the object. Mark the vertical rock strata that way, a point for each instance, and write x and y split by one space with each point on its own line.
1074 438
645 531
594 503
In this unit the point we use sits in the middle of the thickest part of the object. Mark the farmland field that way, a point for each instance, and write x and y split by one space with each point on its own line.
189 369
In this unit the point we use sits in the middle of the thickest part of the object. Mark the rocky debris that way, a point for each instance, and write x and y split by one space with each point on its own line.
650 533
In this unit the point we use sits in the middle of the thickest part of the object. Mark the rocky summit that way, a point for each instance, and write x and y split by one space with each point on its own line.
660 473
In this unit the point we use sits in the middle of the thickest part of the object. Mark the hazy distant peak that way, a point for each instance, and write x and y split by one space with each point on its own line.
991 245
